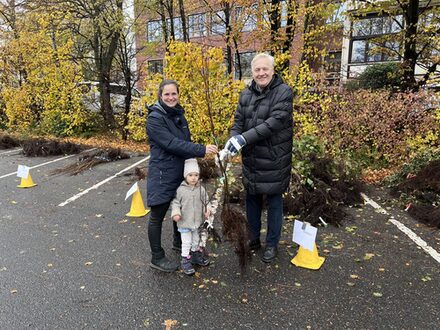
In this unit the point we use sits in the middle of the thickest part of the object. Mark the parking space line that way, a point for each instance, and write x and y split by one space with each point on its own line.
11 151
49 162
73 198
408 232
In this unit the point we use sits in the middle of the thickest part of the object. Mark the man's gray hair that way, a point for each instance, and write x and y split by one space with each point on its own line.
263 55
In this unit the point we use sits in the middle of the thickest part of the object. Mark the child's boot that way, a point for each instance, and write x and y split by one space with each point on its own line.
197 258
187 266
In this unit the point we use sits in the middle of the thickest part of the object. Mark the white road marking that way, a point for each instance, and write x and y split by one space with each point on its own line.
412 235
49 162
11 151
73 198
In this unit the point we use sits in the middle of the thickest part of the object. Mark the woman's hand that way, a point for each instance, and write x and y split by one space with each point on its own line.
207 213
176 218
211 149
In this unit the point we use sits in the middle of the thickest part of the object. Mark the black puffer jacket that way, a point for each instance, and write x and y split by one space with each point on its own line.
265 121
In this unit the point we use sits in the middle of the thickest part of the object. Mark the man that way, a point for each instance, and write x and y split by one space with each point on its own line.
262 129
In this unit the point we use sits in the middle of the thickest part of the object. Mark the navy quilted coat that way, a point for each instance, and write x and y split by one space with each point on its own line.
264 118
170 145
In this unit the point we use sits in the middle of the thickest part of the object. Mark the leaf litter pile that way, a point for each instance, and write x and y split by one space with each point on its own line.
329 188
422 191
8 142
92 159
327 191
43 148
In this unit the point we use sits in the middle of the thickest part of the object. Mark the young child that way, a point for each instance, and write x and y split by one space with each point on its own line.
189 209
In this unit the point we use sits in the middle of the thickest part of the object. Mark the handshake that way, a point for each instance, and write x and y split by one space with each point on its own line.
232 147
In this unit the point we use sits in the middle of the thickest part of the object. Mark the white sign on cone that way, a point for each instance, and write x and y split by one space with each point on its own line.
23 171
304 234
132 190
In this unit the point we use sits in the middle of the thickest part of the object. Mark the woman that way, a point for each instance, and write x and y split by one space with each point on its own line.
170 145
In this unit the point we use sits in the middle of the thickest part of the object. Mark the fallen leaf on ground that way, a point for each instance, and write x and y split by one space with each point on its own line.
354 276
169 323
88 263
377 294
368 256
14 291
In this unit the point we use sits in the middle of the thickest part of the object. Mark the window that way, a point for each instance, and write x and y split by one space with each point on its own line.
178 30
246 17
283 17
218 25
332 64
284 13
366 43
154 31
339 13
197 25
155 66
245 64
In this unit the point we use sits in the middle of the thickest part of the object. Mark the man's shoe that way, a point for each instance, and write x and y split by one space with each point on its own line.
255 244
187 266
269 254
164 265
197 258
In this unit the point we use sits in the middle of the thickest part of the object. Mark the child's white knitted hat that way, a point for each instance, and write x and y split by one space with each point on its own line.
191 166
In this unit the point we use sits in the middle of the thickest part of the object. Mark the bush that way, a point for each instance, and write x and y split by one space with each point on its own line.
375 128
378 76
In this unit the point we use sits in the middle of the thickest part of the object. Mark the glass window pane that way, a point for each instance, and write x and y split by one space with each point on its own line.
392 52
246 17
372 53
245 64
358 51
362 28
377 25
155 66
284 14
196 25
178 31
218 25
154 31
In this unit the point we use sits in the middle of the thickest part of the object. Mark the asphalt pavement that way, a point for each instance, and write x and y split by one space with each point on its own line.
71 259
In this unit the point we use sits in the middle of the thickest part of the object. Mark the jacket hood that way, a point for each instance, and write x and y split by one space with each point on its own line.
276 81
163 108
185 184
156 107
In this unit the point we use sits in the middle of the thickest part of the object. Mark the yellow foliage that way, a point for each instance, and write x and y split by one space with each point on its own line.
47 96
429 140
201 74
202 78
137 118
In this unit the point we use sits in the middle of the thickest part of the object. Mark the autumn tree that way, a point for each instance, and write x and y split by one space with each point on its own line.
97 26
415 40
48 98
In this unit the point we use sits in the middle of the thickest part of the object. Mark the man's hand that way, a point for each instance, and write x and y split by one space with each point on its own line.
235 144
176 217
224 155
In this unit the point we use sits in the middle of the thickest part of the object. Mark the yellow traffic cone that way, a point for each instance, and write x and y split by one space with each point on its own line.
137 208
308 259
27 182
